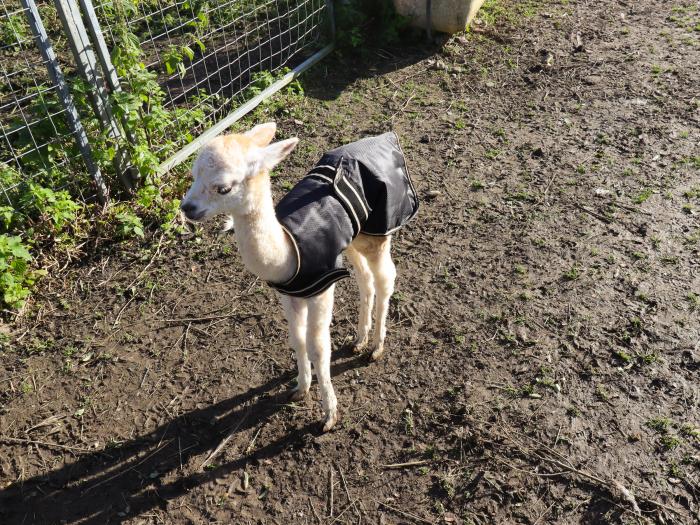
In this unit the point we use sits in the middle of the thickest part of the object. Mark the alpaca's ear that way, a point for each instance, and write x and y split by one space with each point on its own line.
272 155
262 134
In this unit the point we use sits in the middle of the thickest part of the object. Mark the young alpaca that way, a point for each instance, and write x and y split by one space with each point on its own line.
231 177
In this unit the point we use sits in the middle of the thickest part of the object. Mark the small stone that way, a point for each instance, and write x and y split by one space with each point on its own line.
547 58
438 65
433 193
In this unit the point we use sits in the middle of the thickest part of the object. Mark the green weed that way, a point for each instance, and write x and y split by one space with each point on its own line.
476 185
669 442
689 430
643 196
659 424
13 31
16 277
572 273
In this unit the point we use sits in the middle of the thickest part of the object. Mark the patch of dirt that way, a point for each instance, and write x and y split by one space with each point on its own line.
544 340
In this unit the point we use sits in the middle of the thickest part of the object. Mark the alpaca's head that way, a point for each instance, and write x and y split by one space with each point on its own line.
225 168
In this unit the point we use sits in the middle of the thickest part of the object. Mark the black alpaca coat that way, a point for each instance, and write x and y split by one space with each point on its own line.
362 187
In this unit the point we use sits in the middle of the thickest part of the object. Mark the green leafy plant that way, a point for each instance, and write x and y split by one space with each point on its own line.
173 59
16 278
13 31
129 225
57 207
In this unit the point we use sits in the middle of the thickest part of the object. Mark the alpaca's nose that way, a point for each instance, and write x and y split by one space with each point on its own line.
191 212
188 208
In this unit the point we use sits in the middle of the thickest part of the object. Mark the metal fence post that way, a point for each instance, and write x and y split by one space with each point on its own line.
330 9
85 60
57 78
102 52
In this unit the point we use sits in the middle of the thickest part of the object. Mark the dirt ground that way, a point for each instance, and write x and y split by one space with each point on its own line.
544 340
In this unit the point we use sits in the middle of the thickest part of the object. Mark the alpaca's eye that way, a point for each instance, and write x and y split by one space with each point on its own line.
223 190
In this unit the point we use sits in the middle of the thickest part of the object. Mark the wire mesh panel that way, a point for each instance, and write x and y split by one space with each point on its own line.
37 145
211 55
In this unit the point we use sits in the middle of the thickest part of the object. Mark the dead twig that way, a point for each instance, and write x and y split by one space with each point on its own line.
252 441
405 465
21 441
351 504
351 501
313 509
121 311
150 262
330 492
598 216
224 441
198 319
404 513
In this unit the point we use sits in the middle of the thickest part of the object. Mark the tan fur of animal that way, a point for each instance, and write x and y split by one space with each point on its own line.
232 177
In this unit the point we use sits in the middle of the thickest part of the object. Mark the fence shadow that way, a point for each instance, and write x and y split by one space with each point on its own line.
116 484
328 79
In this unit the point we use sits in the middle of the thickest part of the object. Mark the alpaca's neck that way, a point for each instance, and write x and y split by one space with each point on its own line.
264 246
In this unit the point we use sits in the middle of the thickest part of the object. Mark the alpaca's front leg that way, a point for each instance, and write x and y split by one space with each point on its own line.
295 310
318 345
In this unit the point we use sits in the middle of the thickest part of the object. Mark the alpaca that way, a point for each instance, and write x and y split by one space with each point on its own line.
231 176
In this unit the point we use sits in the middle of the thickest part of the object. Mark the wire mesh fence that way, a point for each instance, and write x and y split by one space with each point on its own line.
205 57
210 55
37 144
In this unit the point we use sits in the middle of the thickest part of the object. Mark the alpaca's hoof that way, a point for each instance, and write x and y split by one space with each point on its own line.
359 345
378 353
297 394
331 420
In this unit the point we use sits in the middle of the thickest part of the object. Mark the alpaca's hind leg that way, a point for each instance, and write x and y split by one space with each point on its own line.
365 282
295 310
384 273
318 345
